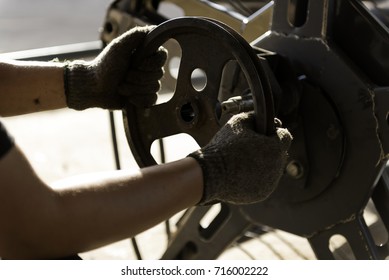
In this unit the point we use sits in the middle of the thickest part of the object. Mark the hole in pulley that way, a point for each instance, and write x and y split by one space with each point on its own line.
172 66
188 113
175 147
108 27
198 79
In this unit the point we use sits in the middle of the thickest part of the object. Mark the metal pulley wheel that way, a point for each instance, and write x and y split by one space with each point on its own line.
206 45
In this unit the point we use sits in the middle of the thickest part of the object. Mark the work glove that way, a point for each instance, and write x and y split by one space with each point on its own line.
113 76
241 166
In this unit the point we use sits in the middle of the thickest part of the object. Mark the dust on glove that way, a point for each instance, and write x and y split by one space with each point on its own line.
112 77
241 166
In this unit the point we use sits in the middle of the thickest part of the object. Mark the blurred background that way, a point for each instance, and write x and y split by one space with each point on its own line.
26 24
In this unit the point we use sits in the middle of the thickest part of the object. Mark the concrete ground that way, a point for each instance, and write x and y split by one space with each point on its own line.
65 143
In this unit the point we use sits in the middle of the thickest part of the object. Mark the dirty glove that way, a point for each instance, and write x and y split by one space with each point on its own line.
241 166
112 77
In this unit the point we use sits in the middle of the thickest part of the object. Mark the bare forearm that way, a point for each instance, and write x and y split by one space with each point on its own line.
28 87
85 213
109 209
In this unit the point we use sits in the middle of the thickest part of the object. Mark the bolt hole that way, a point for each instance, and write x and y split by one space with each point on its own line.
187 113
108 27
295 169
198 79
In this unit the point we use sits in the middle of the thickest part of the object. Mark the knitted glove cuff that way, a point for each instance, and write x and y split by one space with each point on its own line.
78 84
85 88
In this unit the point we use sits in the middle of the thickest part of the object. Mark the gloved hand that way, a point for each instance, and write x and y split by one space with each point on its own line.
241 166
112 76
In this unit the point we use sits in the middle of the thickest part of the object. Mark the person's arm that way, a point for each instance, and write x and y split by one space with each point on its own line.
27 87
38 221
108 81
238 166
